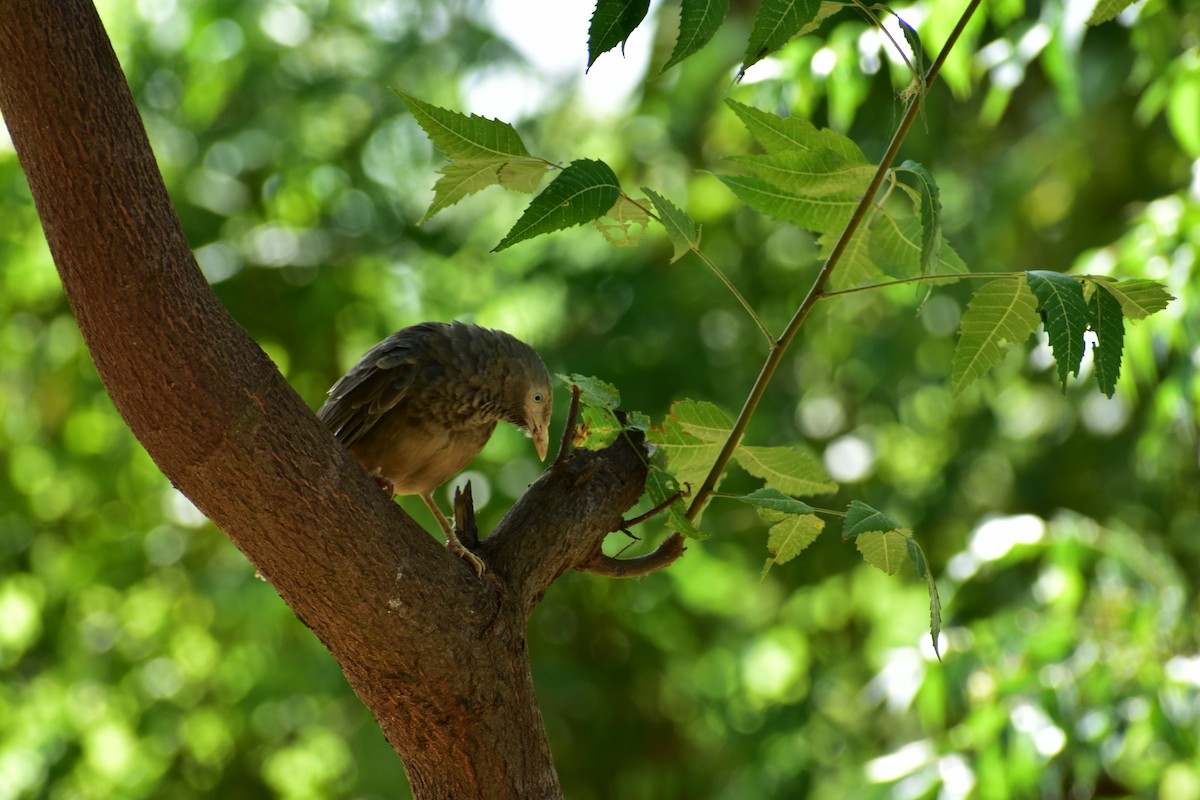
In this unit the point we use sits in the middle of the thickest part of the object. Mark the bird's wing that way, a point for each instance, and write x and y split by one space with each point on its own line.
371 388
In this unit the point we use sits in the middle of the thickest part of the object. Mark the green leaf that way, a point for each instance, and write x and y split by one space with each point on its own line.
885 551
820 215
597 428
681 230
810 173
702 419
777 134
930 213
1002 313
593 391
788 538
791 470
584 191
827 10
660 486
918 51
1106 10
466 138
1105 320
1139 298
698 21
917 557
1061 298
776 502
687 456
861 518
777 21
612 22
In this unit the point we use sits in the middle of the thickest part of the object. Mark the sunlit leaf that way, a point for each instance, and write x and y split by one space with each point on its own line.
791 470
582 192
698 21
688 457
1139 298
787 539
820 214
1060 297
681 230
460 179
1106 10
884 551
1002 313
811 173
523 174
596 428
702 419
1106 321
463 137
612 22
777 21
918 51
777 134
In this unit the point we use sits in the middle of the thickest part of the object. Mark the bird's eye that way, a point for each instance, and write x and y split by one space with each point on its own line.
537 397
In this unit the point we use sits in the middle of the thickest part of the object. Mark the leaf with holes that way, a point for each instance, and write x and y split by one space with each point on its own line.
582 192
624 224
1060 298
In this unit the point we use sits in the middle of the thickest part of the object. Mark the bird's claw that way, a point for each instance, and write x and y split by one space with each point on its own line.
462 552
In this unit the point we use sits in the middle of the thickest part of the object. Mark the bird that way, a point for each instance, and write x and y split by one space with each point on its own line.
421 404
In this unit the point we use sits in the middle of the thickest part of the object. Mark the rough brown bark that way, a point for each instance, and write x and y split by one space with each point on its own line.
437 655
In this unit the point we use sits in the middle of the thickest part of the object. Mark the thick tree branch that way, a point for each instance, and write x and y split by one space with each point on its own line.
438 656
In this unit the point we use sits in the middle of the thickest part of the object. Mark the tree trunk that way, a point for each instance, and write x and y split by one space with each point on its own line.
438 655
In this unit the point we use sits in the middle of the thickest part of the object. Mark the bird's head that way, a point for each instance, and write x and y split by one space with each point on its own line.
527 393
536 422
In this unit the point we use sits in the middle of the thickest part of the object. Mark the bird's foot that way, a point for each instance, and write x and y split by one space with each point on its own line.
383 483
456 547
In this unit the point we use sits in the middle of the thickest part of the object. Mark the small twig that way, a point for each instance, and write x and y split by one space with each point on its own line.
666 554
658 509
568 436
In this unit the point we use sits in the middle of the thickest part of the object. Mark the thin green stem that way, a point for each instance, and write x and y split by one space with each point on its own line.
771 365
949 276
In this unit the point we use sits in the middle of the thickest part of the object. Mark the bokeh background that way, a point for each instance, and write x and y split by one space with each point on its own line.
140 657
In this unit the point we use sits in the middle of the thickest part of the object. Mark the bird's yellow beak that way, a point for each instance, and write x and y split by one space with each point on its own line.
541 441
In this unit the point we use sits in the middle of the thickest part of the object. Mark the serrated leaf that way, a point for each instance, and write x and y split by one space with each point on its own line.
1061 298
660 486
918 51
822 214
1002 313
628 223
1105 320
702 419
827 10
861 518
1139 298
1106 10
593 391
930 211
584 191
916 557
461 179
884 551
612 22
523 175
810 173
688 457
787 539
698 21
776 502
791 470
463 137
681 230
777 21
777 134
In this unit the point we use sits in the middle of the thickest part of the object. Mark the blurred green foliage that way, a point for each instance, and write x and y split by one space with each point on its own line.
140 657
